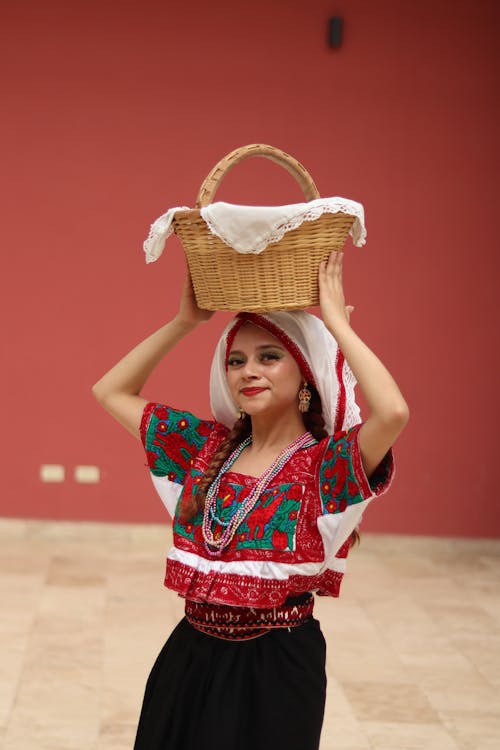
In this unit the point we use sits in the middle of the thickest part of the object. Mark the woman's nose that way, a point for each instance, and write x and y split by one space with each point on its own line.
250 368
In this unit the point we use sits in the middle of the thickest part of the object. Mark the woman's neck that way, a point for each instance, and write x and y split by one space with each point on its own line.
273 433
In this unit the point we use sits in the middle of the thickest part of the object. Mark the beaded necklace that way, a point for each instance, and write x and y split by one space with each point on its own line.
213 545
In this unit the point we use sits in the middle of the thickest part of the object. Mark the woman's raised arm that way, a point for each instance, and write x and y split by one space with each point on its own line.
389 411
118 391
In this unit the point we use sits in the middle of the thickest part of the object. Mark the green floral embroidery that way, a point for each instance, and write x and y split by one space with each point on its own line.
173 440
337 480
270 525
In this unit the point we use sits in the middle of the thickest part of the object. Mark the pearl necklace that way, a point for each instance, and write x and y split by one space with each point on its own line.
213 545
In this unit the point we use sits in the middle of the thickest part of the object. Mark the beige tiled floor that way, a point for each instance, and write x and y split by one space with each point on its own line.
413 643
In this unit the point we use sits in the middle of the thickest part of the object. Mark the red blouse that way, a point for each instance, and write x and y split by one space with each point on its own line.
295 539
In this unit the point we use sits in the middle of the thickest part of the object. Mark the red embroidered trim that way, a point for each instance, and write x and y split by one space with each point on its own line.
344 550
146 416
237 635
242 591
240 623
278 333
383 476
341 400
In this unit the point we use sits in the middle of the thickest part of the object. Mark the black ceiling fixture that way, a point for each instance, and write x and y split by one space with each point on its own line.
335 25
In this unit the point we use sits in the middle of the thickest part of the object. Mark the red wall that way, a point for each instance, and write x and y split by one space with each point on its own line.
115 111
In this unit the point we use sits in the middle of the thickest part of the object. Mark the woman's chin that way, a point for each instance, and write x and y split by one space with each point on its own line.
267 411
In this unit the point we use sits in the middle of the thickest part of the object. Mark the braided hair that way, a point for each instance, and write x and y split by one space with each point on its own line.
192 505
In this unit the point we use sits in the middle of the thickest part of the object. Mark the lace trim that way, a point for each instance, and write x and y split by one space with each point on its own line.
352 415
315 210
293 217
159 232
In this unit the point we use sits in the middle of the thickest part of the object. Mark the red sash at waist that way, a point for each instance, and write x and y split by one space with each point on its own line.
241 623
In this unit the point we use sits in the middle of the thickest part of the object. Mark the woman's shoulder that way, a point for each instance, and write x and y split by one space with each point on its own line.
173 437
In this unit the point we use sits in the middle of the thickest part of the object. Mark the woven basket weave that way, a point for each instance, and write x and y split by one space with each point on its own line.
285 275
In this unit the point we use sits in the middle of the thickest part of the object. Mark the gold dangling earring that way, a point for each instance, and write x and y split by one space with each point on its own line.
241 415
304 398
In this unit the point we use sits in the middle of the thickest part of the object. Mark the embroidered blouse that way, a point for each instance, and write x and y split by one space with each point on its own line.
295 539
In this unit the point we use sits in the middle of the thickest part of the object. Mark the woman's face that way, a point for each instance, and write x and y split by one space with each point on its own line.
262 374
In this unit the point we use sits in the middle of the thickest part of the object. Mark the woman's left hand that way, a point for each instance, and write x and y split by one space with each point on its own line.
331 292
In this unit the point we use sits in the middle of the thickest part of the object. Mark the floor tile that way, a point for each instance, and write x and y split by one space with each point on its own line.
413 643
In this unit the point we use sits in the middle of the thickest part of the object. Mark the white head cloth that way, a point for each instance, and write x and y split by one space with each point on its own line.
317 349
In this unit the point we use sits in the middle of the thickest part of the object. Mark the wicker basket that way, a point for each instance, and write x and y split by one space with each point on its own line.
285 275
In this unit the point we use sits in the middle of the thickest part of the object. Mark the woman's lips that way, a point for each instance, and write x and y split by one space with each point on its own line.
251 391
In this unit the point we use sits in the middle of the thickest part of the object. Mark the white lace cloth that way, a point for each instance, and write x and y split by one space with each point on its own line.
250 229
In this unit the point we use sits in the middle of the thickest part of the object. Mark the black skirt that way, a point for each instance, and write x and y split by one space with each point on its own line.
206 693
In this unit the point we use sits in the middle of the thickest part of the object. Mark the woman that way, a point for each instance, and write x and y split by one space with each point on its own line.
266 500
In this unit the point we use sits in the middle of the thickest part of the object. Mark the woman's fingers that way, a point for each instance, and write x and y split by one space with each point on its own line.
332 300
338 258
188 306
332 269
333 264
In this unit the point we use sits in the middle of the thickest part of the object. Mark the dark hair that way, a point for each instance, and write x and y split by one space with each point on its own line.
313 422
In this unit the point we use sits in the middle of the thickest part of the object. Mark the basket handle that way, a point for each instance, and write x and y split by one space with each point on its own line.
213 180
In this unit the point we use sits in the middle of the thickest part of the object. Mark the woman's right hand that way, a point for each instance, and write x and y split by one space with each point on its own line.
189 312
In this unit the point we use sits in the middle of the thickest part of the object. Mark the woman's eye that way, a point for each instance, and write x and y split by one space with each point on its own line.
266 356
234 361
